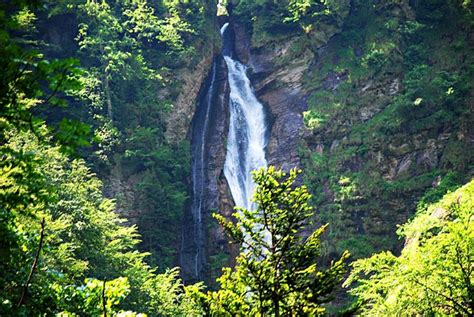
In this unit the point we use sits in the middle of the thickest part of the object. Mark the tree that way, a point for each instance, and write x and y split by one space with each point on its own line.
434 275
31 83
116 37
277 271
305 11
63 248
61 241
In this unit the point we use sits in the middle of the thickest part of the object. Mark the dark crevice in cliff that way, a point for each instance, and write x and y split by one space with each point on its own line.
208 134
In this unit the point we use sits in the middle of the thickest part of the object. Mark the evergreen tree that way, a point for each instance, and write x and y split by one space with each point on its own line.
277 271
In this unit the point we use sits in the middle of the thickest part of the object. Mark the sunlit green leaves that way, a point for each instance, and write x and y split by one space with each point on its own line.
304 11
313 120
434 273
89 297
85 242
24 19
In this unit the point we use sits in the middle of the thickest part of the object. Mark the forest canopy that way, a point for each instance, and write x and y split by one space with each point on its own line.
95 166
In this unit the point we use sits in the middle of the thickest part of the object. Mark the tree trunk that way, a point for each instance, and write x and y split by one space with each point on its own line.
107 95
33 266
104 300
276 306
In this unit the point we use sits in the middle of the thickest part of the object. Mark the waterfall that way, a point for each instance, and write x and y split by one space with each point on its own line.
199 180
246 142
247 136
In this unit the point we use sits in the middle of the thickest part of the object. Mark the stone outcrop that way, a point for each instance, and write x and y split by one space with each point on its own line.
178 123
218 193
215 195
279 88
277 75
179 119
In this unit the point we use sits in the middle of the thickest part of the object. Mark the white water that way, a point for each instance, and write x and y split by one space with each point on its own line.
224 27
246 140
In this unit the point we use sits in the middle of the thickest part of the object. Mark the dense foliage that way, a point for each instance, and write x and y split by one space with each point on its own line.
59 219
87 89
434 274
131 54
134 48
63 247
389 106
270 20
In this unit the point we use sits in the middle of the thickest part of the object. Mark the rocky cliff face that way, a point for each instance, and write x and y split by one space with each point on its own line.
279 87
278 66
178 121
276 72
151 186
215 95
373 150
344 103
278 81
346 109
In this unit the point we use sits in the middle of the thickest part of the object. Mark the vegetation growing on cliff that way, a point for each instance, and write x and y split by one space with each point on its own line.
395 95
388 122
131 55
389 96
63 248
390 106
135 49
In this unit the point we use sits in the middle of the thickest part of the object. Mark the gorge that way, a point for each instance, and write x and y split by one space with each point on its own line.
129 131
321 101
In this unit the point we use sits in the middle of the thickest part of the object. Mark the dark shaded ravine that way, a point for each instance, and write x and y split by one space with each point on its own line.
208 136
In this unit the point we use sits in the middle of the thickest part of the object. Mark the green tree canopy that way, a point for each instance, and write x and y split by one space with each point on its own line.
434 275
63 248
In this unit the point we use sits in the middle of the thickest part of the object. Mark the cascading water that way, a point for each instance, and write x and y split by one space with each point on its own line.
246 142
199 180
247 136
